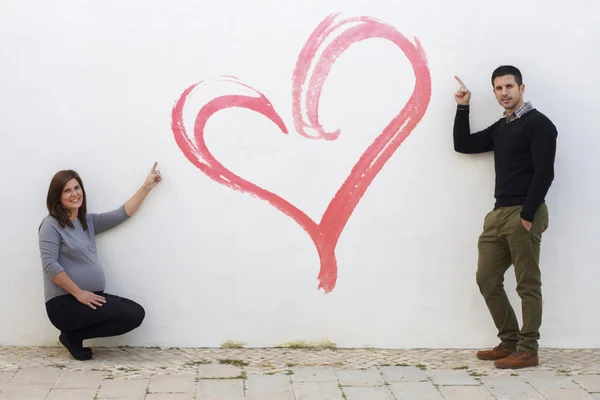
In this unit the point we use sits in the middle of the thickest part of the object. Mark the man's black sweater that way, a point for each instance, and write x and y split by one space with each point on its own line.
524 152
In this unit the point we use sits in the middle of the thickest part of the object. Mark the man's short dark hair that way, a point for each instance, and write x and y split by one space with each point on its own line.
508 70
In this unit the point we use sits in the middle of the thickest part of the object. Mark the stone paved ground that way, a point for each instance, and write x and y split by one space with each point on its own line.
48 373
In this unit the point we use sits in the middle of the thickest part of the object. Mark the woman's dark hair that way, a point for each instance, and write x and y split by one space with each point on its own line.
54 204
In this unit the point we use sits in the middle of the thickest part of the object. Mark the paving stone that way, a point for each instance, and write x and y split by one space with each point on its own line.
590 383
403 374
465 393
452 378
415 390
4 378
270 396
230 389
269 387
79 380
218 371
36 376
123 388
370 393
275 382
183 383
72 394
548 380
142 361
360 378
172 396
317 391
510 388
25 392
313 374
566 394
147 363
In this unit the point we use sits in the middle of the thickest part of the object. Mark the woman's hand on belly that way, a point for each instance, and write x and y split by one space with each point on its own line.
90 299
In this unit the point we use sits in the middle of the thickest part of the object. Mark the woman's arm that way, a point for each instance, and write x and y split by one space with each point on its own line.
49 242
83 296
134 203
108 220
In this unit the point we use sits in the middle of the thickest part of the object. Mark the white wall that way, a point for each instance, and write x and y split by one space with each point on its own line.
91 86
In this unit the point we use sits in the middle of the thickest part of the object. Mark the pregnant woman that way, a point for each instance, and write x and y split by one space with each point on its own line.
74 281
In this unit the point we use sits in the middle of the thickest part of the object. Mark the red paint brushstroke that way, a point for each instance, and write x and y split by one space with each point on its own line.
326 233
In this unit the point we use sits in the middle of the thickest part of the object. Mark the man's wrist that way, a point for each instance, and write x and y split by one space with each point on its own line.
462 106
525 217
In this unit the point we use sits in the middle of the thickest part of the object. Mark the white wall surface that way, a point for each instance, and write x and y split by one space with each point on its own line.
92 85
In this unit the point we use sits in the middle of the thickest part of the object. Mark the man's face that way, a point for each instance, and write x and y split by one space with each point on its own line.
508 93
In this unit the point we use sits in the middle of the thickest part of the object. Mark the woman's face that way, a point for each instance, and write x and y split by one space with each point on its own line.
72 196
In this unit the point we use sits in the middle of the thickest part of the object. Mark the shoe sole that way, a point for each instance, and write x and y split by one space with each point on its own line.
490 358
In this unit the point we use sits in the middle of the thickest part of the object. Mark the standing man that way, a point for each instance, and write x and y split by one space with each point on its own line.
524 146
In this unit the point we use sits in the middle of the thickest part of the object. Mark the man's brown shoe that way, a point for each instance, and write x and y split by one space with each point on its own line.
519 359
497 353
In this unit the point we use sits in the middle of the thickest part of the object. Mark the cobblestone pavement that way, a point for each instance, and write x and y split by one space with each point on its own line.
49 373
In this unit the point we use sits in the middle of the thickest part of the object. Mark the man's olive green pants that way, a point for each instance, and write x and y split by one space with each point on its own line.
505 242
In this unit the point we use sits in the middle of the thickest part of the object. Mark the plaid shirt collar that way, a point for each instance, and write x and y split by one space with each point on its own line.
519 112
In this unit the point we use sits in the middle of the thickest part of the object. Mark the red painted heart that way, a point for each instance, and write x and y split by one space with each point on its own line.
345 32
